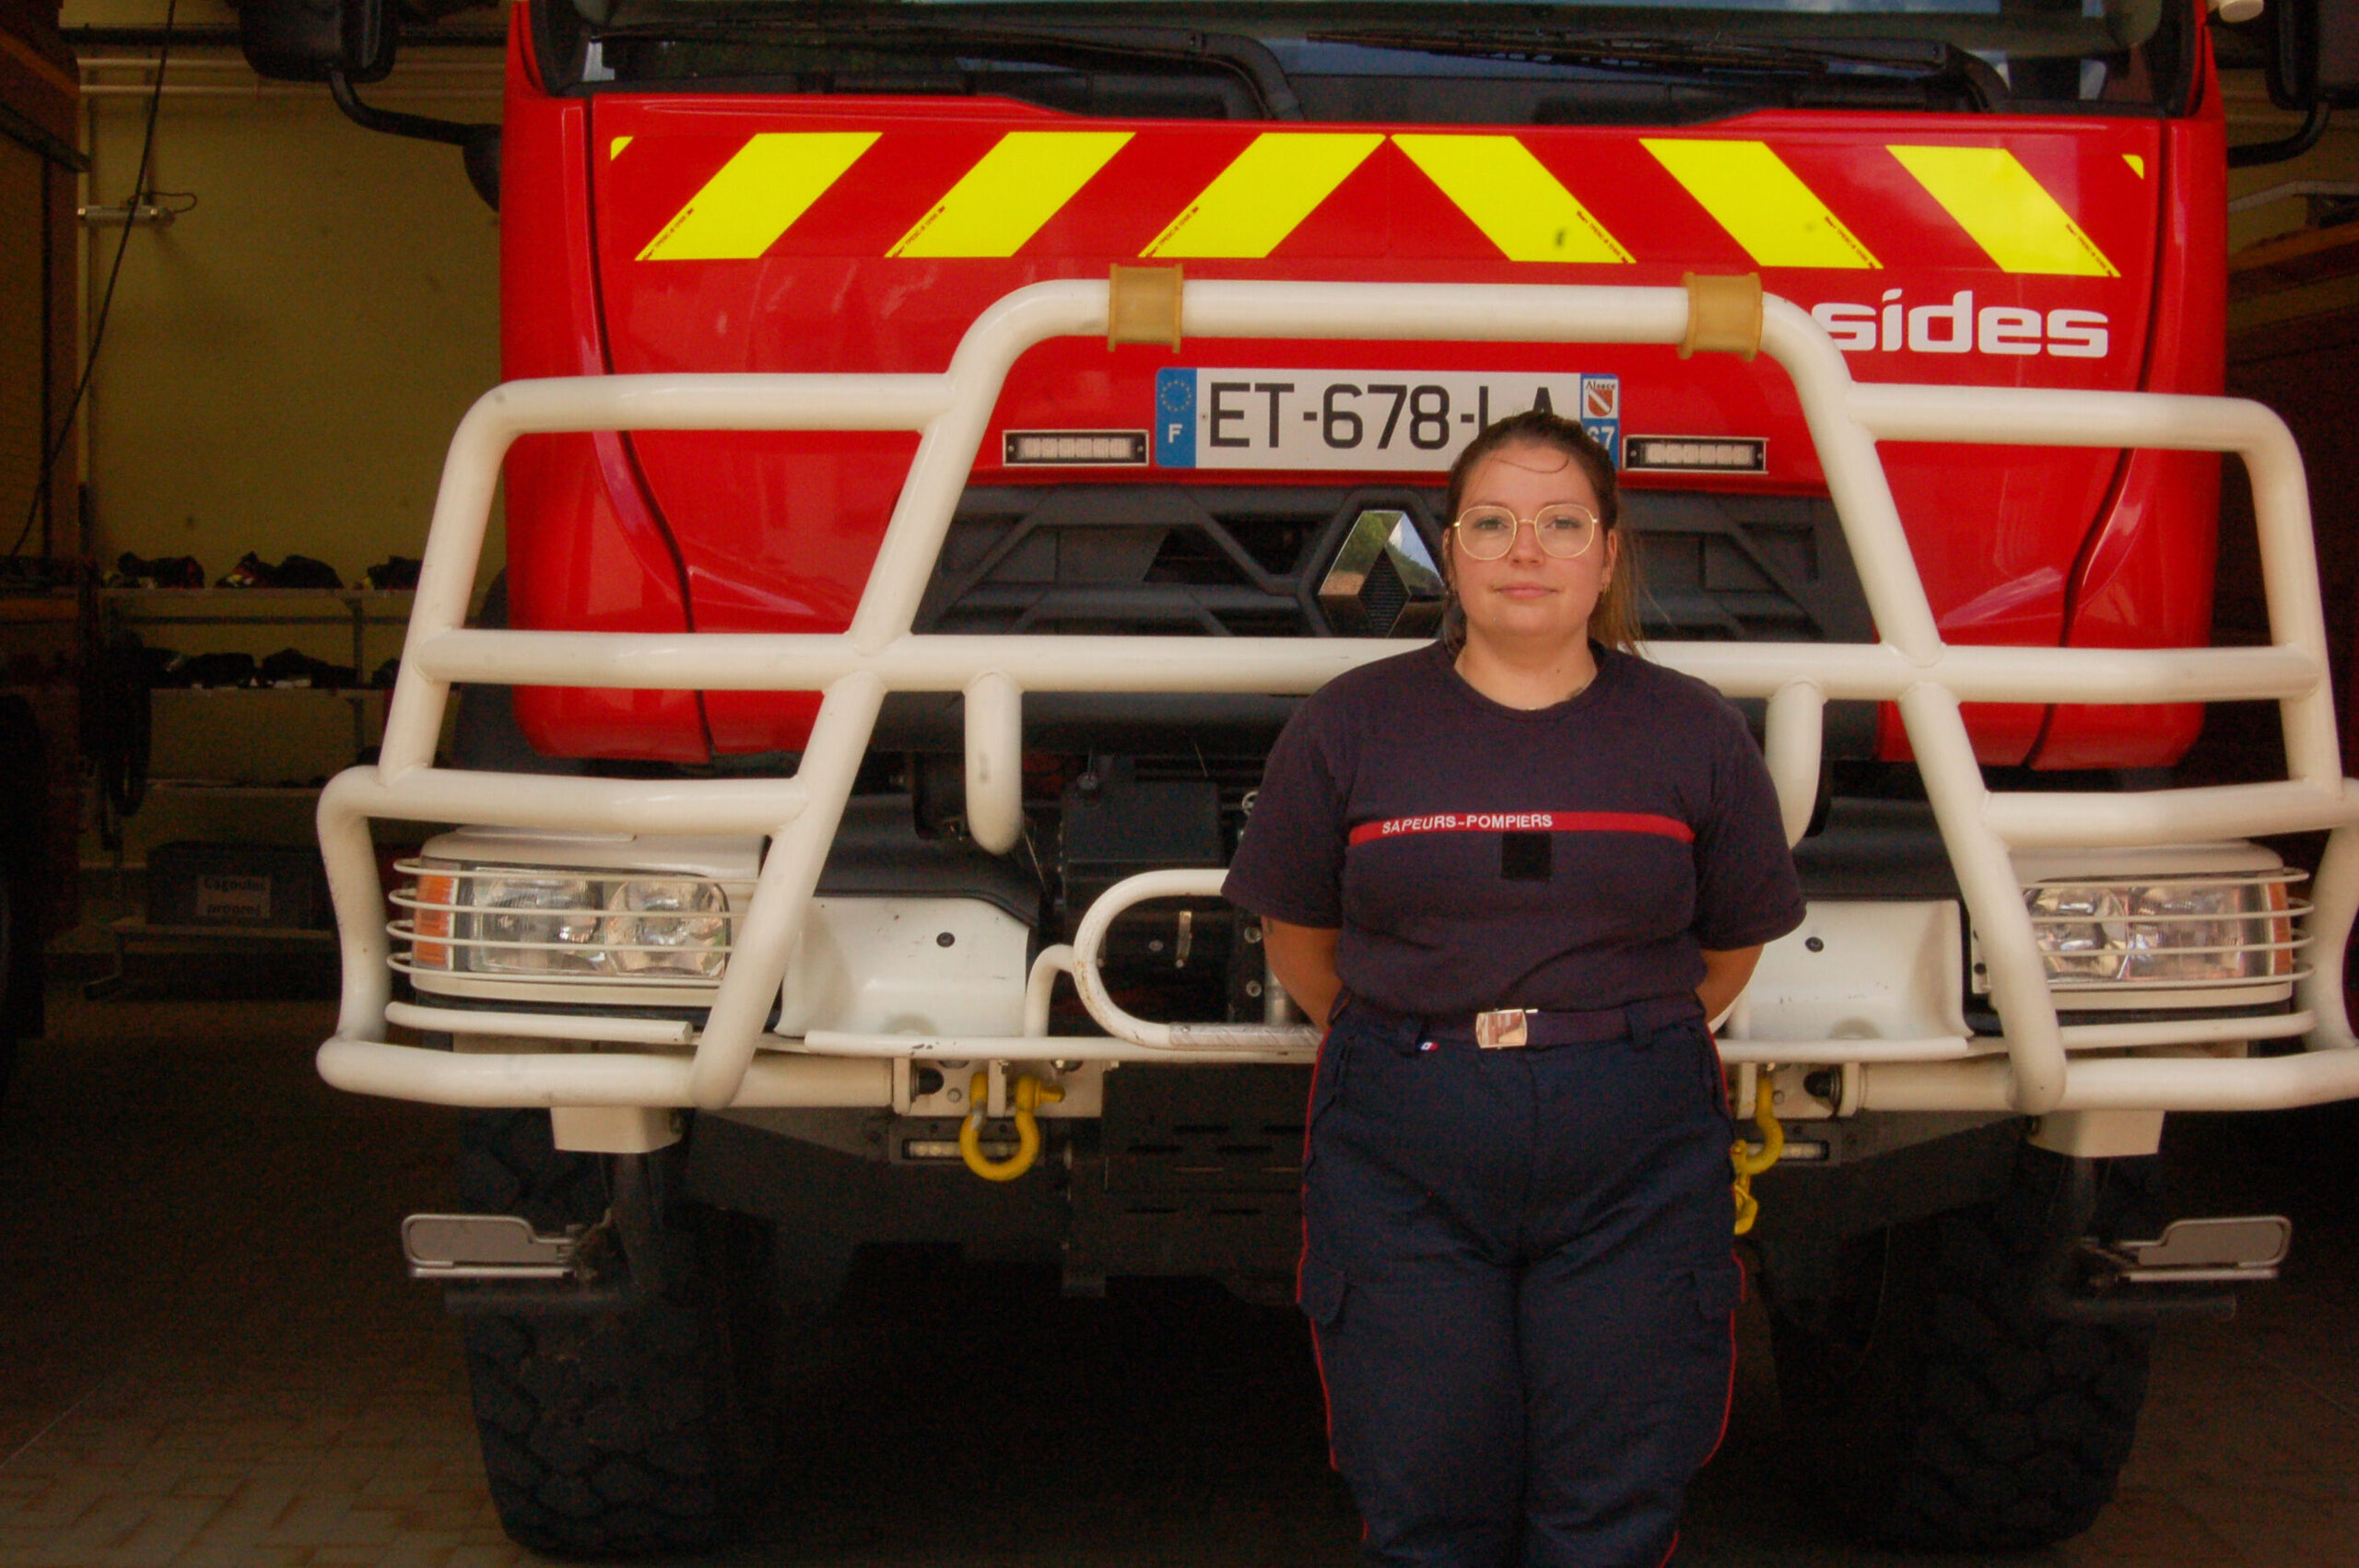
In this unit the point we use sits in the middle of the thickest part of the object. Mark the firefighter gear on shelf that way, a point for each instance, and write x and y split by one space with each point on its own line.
1025 1096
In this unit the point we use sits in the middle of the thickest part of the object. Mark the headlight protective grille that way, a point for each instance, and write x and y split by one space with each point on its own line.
562 923
2239 930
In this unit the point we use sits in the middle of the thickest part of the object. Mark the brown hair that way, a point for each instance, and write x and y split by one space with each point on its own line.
1614 622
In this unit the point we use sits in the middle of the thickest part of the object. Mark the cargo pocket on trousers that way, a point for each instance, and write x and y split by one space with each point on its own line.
1320 1289
1326 1091
1326 1079
1718 1288
1718 1092
1719 1291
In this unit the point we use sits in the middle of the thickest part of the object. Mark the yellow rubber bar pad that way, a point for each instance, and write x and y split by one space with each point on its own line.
1510 195
1012 190
757 195
2007 211
1723 314
1143 305
1264 193
1763 205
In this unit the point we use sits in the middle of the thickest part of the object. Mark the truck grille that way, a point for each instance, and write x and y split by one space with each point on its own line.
1247 561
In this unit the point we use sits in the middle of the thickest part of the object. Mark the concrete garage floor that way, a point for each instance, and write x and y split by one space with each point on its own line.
208 1355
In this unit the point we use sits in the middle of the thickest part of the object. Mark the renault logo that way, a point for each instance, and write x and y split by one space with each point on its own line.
1384 583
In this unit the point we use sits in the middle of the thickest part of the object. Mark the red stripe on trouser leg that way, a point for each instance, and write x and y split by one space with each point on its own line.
1318 1357
1722 1435
1728 1406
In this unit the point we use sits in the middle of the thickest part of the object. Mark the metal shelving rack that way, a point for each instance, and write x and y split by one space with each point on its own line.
358 610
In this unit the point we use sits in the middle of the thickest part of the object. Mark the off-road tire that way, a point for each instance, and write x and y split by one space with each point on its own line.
1935 1408
621 1433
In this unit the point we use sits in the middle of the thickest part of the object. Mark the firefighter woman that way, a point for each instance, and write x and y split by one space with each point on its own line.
1516 872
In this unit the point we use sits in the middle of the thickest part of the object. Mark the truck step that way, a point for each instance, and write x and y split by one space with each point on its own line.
2228 1249
486 1246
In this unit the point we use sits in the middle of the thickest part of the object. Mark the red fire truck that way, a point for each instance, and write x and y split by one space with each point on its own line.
940 443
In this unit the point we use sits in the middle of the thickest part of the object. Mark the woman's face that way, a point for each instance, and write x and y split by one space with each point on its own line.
1528 596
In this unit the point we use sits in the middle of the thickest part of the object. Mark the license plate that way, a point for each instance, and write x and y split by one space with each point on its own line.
1388 420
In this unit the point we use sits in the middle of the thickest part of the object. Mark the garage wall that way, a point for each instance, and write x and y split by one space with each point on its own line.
2293 345
283 362
24 320
39 649
2252 118
38 357
281 372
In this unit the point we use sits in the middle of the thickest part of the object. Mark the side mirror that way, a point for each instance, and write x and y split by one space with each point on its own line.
310 41
2312 52
350 43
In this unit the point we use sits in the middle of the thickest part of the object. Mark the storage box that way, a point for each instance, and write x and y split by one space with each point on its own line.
237 886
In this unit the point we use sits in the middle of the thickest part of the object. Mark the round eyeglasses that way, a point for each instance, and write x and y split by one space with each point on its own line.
1565 529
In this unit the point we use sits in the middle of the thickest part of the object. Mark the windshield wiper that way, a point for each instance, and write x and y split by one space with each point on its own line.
1688 55
1247 59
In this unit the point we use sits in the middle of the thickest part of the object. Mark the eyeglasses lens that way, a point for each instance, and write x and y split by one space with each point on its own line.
1488 533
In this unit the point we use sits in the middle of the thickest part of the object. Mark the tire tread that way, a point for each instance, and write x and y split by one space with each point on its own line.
1965 1422
603 1435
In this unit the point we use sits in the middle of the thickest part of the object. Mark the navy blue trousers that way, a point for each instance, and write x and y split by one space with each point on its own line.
1518 1270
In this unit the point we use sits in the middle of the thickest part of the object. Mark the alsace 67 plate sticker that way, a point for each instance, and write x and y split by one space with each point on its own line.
1417 420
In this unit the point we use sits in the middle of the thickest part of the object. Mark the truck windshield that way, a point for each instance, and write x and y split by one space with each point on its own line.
1436 61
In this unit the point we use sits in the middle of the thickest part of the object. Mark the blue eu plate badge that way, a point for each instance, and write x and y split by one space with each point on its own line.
1175 418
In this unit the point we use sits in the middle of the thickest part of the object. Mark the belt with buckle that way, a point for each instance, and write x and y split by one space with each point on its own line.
1517 1028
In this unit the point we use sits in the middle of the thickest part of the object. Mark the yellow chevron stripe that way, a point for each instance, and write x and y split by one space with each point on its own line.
614 147
769 183
1257 201
2008 212
1511 198
1010 193
1763 205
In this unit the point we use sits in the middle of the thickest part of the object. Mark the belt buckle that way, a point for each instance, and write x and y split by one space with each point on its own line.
1503 1029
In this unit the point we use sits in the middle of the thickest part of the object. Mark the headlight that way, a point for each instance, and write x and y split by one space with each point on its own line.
2189 931
668 928
563 924
537 925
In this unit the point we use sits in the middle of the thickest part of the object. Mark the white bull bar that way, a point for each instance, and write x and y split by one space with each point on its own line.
1911 666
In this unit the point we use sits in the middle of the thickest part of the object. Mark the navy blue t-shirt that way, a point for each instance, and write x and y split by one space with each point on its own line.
1477 856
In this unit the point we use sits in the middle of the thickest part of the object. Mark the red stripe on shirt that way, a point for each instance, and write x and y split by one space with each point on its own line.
1524 822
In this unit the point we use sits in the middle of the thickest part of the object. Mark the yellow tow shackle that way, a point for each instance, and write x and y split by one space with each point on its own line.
1025 1094
1749 1164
